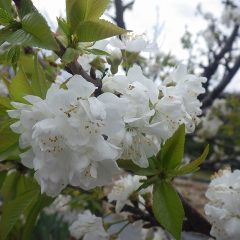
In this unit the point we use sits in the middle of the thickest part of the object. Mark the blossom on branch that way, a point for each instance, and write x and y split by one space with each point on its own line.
224 203
66 134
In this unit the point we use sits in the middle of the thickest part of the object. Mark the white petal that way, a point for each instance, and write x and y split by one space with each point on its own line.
83 88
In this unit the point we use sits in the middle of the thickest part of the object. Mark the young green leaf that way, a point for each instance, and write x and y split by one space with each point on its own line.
20 87
39 82
94 30
79 11
13 209
41 35
128 165
8 190
97 52
35 208
96 9
192 166
7 137
26 8
5 17
21 37
12 153
63 26
5 103
6 5
13 56
26 62
171 154
5 33
69 55
167 208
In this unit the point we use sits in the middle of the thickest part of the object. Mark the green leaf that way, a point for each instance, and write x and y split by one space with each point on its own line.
167 208
192 166
3 175
13 56
6 5
27 63
63 26
39 81
130 166
96 9
13 209
76 11
171 154
5 17
34 211
69 55
79 11
97 52
5 103
8 190
21 37
20 87
7 137
41 35
12 153
95 30
5 33
148 182
26 8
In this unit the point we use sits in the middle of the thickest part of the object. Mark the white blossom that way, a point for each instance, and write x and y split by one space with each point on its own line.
210 123
133 231
133 43
123 189
66 134
180 104
224 203
88 227
87 58
152 116
137 91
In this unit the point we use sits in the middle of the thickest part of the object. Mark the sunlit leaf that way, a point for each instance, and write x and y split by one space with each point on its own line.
20 87
95 30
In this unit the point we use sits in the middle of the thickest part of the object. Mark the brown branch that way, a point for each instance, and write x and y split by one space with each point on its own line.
75 68
119 12
128 5
194 221
208 100
212 67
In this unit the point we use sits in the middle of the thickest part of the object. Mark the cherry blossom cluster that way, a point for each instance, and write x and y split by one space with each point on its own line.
210 123
85 225
74 138
222 210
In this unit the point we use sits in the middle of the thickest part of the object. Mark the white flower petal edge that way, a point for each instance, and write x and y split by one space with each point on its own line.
222 210
68 136
88 227
153 114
